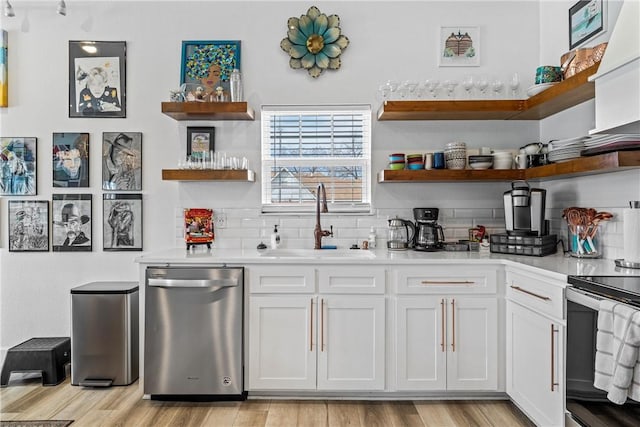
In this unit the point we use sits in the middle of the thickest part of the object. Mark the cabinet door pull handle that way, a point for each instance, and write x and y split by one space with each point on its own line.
442 343
311 327
447 282
553 357
322 324
453 325
542 297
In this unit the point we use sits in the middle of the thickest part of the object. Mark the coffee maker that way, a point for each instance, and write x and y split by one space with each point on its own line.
429 235
524 210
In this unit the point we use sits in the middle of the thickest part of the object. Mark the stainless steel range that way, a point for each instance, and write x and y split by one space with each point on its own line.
588 405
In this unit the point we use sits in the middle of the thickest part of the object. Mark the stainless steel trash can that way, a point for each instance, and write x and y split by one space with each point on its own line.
104 334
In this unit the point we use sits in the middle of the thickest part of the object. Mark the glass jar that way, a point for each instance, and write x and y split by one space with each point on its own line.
584 241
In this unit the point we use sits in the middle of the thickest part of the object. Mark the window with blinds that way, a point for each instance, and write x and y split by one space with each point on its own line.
305 146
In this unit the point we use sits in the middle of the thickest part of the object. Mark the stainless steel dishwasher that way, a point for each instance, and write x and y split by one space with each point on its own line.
193 347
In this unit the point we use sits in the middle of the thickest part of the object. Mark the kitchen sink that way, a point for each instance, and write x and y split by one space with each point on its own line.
318 253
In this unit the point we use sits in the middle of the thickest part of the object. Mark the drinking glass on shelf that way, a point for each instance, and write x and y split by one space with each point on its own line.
450 85
432 87
497 85
482 83
392 85
514 84
410 86
467 84
384 92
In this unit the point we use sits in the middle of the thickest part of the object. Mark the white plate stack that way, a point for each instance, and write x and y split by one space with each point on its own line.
565 149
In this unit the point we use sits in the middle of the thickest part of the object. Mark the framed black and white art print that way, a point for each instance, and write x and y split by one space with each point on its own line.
122 222
122 161
28 226
97 79
72 222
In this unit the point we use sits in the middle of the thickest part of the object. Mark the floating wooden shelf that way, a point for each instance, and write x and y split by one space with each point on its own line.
602 163
208 110
208 175
566 94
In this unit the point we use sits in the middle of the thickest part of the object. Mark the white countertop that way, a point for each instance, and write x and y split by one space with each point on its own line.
555 266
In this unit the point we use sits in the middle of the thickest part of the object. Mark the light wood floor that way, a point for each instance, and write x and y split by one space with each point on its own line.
27 399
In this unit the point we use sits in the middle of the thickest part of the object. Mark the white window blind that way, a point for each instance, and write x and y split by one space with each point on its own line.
303 146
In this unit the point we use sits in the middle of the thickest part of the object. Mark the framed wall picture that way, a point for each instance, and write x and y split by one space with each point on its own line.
18 166
200 142
586 20
97 79
28 226
208 65
70 158
459 47
122 222
72 223
122 161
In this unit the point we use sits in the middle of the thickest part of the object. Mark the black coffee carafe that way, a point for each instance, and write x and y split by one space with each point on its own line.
429 234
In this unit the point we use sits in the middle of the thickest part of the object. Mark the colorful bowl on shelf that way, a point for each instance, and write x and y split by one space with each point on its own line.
396 166
396 158
416 166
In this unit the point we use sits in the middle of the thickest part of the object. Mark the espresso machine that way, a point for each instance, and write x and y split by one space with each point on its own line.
429 235
524 210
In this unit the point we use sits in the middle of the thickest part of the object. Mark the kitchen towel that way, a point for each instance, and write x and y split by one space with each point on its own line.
627 370
631 229
617 341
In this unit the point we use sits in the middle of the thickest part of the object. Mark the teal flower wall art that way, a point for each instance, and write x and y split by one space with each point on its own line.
314 42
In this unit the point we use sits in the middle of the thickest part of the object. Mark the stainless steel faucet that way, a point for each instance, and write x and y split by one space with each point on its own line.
318 232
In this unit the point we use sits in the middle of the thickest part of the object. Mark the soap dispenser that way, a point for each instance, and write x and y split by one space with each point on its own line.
275 238
372 238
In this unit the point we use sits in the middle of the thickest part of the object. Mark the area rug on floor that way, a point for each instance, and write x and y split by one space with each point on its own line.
36 423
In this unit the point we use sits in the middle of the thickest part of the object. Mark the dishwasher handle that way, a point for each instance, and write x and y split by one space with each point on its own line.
193 283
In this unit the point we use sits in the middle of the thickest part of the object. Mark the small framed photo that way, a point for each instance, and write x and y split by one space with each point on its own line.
97 79
200 142
18 166
586 20
28 226
122 161
207 66
70 160
72 223
122 222
459 47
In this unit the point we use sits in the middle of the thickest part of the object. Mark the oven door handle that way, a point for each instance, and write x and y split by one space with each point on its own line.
584 298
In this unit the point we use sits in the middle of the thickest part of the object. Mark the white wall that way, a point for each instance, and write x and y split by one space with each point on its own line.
389 40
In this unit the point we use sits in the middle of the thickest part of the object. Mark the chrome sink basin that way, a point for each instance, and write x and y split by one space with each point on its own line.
317 253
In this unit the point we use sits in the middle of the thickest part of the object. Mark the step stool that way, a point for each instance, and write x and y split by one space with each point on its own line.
46 355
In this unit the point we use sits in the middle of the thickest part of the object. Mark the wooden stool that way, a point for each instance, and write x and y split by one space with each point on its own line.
46 355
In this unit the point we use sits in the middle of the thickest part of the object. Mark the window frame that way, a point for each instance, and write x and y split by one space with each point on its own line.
267 160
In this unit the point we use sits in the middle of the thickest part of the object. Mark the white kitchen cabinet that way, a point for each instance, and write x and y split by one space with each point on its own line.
282 342
535 346
320 341
447 343
535 365
351 343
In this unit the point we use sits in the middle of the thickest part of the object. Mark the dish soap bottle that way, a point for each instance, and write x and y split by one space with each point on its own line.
372 238
275 238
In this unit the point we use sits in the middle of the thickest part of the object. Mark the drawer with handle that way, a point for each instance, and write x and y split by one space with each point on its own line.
449 278
539 294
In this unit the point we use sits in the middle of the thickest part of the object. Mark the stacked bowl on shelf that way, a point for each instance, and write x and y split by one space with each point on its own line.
415 161
455 155
396 161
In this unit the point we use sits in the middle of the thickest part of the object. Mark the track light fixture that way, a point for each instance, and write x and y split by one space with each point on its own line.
8 10
62 8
